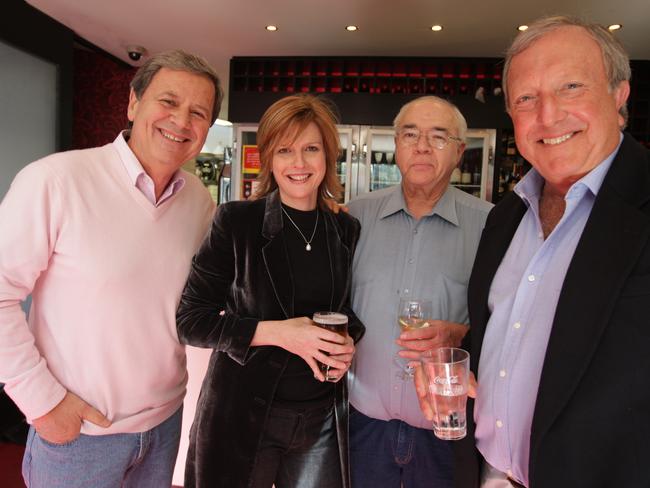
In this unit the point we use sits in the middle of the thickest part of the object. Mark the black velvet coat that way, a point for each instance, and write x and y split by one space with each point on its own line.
241 275
591 424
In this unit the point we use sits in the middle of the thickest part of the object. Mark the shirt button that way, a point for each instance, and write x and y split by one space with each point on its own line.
411 261
406 290
517 325
499 424
502 373
415 231
395 388
531 278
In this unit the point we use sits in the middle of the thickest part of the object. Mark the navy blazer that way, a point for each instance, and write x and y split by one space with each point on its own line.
591 424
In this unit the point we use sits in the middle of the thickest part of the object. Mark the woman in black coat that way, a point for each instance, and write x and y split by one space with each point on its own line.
266 414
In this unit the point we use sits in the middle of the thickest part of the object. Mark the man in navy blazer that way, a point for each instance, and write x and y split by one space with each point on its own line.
559 297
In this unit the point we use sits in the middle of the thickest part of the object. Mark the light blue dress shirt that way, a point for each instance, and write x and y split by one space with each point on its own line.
398 256
522 301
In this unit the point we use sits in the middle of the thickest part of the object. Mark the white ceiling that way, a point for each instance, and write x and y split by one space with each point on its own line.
219 29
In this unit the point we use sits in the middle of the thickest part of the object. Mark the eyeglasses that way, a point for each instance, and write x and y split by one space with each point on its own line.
410 136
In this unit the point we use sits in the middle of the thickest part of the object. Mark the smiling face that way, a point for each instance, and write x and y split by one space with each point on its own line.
170 120
421 165
298 166
565 117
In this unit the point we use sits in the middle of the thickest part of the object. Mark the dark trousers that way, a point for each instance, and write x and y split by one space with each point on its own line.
299 450
393 454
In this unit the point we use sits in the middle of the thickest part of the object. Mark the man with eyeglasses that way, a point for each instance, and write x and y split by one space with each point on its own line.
418 240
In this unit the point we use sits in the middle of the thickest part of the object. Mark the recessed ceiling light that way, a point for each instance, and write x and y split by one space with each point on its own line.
436 28
351 28
522 28
271 28
614 27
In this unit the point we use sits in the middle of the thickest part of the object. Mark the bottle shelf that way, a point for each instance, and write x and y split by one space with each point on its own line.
444 76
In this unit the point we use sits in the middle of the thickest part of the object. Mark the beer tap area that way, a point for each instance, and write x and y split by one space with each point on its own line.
213 165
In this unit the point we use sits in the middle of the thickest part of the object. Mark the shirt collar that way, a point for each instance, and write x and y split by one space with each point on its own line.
445 207
530 186
135 170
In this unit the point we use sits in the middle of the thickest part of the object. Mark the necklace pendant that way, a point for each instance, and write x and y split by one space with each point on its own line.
308 247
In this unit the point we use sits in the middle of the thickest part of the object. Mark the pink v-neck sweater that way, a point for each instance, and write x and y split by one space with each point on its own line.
106 269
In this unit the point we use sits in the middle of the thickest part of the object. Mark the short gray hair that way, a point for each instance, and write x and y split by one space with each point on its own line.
615 58
461 123
178 60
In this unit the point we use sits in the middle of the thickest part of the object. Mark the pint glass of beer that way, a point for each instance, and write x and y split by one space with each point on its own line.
336 322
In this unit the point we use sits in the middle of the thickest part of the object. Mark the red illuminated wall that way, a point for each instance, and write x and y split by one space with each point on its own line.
101 96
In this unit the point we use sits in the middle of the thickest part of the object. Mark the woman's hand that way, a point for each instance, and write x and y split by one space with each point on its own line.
301 337
335 374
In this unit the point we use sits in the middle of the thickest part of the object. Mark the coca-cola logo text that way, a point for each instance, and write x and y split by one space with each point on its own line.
446 380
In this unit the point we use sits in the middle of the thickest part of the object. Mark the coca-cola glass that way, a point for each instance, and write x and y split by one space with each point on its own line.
446 375
336 322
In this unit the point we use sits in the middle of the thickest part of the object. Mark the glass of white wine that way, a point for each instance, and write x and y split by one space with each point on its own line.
412 314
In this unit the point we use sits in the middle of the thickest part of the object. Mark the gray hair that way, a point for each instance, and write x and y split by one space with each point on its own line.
461 123
615 58
178 60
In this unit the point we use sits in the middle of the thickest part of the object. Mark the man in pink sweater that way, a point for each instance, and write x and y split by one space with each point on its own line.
103 239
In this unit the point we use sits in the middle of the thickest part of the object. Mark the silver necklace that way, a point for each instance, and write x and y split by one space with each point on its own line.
307 242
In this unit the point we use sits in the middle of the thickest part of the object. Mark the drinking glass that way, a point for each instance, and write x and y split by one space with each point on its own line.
412 314
336 322
446 375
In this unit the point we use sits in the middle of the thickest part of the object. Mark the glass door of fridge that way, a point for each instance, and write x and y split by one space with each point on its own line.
349 142
475 173
379 168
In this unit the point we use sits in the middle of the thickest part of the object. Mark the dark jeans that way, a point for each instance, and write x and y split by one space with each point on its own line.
299 450
393 454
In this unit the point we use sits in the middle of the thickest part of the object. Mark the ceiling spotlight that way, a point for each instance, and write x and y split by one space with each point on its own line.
351 28
271 28
436 28
614 27
522 28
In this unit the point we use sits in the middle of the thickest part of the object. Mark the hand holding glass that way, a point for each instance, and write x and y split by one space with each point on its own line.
336 322
412 314
446 375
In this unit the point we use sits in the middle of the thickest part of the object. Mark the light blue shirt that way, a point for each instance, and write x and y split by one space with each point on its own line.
398 256
522 302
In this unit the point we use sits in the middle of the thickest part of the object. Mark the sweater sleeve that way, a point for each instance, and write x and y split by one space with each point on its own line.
203 319
30 219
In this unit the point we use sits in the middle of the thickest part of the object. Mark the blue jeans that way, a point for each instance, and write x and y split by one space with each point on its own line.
142 460
393 454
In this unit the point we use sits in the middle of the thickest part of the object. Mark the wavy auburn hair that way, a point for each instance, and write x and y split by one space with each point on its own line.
284 121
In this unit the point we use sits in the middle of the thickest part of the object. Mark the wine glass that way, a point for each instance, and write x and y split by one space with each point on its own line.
412 314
